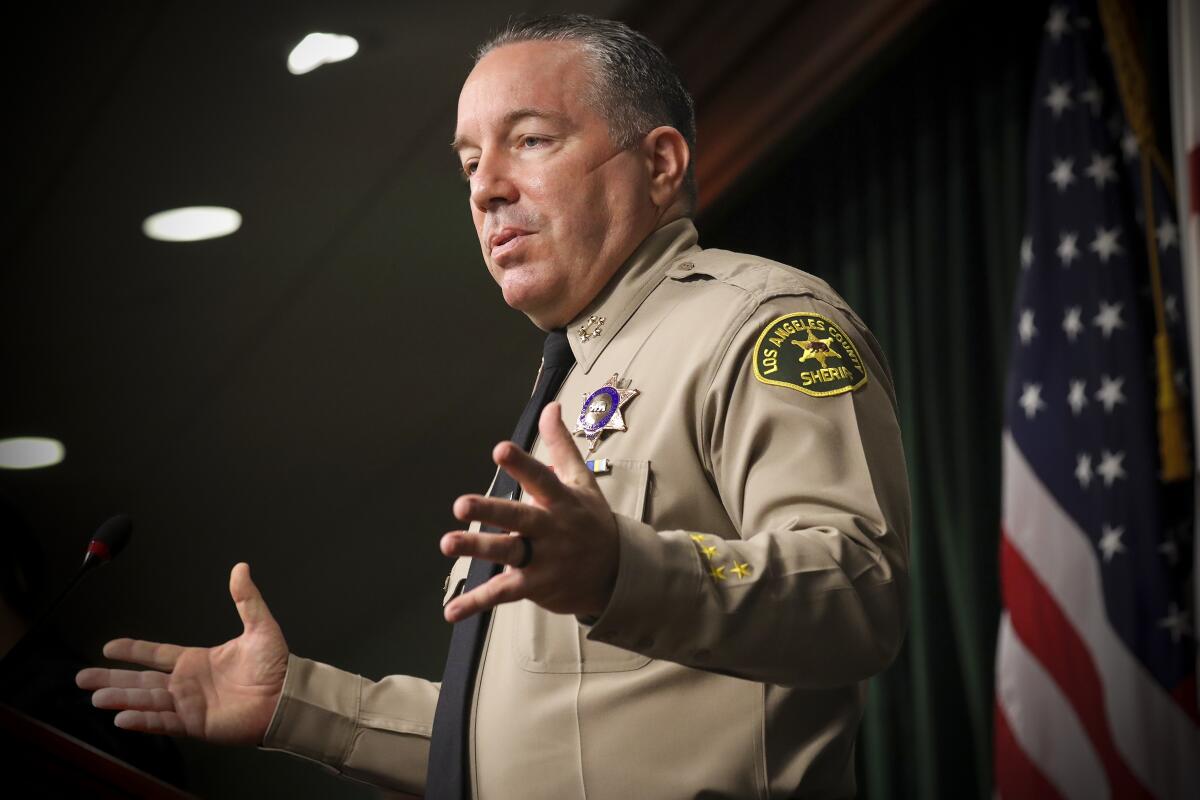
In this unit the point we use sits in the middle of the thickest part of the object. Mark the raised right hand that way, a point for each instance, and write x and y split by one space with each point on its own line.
225 694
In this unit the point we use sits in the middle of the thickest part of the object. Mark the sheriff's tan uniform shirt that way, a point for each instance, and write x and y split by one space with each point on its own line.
763 558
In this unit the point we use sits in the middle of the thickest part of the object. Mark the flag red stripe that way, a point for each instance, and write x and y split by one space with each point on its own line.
1017 778
1049 636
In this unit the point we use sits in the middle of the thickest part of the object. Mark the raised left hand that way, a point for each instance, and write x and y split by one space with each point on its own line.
569 527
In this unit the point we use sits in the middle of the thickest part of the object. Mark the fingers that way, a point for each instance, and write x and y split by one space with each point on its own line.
538 480
508 550
564 455
100 678
136 699
503 588
250 604
507 515
166 722
148 654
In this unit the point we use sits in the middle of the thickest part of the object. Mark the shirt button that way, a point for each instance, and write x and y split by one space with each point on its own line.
687 266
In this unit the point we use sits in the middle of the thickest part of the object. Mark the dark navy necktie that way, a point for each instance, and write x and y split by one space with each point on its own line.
449 768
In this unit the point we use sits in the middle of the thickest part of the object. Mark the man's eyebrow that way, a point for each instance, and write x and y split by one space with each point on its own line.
512 118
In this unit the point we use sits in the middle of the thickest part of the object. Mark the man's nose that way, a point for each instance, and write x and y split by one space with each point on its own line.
491 184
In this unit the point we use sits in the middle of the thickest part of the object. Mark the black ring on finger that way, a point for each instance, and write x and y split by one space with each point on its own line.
527 556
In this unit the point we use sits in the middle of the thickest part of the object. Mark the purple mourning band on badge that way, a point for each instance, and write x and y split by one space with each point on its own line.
594 426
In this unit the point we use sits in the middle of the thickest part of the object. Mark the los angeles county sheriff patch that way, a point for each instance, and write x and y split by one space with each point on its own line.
809 353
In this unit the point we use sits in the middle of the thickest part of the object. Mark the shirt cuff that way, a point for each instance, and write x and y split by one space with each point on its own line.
317 712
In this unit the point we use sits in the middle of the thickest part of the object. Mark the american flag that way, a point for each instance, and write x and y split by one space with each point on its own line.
1096 654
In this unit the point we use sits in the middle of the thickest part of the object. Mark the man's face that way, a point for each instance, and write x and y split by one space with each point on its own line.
557 206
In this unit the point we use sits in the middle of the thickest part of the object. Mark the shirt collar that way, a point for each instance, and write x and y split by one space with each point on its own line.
599 323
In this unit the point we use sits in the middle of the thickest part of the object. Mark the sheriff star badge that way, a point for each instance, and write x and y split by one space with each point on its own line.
602 411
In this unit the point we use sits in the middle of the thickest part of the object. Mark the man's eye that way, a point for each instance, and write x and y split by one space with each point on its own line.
469 168
530 142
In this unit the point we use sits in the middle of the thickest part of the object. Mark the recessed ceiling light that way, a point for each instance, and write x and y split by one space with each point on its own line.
320 48
191 224
30 452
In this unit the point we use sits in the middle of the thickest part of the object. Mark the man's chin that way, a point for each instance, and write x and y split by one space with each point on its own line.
541 309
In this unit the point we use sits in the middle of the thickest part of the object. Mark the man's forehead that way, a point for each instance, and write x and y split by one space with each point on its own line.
525 79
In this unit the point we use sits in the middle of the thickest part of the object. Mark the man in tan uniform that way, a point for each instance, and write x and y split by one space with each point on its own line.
699 580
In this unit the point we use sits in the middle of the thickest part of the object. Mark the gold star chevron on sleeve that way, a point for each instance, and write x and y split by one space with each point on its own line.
697 537
741 570
709 552
718 573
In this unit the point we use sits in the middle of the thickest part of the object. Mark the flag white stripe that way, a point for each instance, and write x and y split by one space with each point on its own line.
1158 741
1043 721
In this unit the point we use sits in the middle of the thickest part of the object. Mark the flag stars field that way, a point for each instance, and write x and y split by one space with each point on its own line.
1110 468
1105 245
1068 249
1108 319
1102 170
1058 99
1109 393
1094 98
1176 623
1058 23
1063 173
1171 308
1025 328
1129 145
1110 541
1031 399
1166 234
1083 470
1170 551
1077 396
1072 323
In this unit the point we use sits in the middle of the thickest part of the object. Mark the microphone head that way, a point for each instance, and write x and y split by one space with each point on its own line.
110 538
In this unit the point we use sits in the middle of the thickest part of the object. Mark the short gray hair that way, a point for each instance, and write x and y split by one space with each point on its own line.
636 88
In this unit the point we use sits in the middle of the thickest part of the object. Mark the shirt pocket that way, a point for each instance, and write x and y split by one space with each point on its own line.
558 643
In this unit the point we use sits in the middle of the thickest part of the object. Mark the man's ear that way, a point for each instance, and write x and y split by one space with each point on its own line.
668 156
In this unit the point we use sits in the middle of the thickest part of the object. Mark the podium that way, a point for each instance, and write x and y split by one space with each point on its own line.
41 761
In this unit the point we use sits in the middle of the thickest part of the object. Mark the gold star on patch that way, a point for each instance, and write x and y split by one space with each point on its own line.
709 552
741 570
602 411
814 348
697 537
718 573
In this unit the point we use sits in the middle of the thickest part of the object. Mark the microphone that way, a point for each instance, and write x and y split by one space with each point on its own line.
108 541
106 544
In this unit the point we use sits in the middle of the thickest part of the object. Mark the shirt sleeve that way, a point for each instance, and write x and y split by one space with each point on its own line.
373 731
813 593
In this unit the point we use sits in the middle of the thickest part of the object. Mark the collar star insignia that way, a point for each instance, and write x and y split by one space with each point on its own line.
601 411
592 329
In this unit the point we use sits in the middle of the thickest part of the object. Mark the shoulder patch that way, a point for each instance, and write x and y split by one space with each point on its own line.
809 353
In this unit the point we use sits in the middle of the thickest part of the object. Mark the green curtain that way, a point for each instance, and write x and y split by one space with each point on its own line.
909 201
